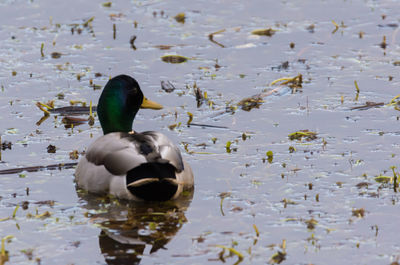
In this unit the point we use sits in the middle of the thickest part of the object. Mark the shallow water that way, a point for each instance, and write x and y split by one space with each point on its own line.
322 200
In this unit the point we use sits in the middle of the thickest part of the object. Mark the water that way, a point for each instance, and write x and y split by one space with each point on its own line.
306 204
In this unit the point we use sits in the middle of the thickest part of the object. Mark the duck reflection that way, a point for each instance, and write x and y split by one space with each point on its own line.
130 230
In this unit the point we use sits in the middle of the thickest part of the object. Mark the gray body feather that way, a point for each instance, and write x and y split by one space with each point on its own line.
110 157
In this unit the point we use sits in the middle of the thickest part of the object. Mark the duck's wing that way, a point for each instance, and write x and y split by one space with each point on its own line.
167 149
120 152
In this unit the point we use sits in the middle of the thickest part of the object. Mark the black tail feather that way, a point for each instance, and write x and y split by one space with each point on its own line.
162 190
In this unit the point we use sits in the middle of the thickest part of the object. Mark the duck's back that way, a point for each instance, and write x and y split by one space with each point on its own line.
116 160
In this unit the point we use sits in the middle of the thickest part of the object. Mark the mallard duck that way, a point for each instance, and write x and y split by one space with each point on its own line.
127 164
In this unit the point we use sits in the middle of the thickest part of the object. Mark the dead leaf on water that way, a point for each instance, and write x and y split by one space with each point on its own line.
180 18
311 224
164 47
306 134
278 257
292 82
360 213
190 118
74 155
55 55
248 104
368 105
174 58
384 179
264 32
51 149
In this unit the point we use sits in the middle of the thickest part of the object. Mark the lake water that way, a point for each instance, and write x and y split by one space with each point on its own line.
314 201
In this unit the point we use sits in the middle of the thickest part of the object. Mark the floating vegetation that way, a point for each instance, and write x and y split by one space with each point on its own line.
311 28
280 255
174 58
395 102
85 25
199 96
292 82
185 146
256 230
282 66
207 125
228 147
180 18
395 182
38 168
389 180
357 90
277 257
336 27
342 25
311 223
163 47
114 16
306 134
3 253
5 145
389 25
96 87
287 202
51 149
91 117
45 107
41 50
190 118
211 37
132 42
60 96
43 215
255 101
248 104
231 251
356 85
74 155
269 201
360 213
264 32
70 121
368 105
383 44
72 110
270 156
56 55
167 86
12 216
173 126
15 211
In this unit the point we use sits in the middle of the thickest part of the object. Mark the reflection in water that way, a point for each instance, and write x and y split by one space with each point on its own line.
131 229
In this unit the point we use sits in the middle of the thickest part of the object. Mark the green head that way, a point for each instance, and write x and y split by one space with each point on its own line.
119 102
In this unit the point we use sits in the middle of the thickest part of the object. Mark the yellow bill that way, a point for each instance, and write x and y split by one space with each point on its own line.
148 104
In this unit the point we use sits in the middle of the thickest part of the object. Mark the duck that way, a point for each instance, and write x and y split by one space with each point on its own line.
130 165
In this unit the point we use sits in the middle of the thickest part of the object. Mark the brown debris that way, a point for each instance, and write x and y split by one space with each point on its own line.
51 149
